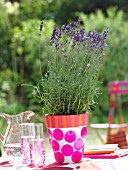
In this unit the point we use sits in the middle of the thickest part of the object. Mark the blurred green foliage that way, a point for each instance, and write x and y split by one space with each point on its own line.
24 54
115 66
65 10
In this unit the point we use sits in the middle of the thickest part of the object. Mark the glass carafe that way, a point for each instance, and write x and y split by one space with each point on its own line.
12 138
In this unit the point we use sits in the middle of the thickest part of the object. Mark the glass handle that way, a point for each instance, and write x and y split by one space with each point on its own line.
8 118
27 116
30 114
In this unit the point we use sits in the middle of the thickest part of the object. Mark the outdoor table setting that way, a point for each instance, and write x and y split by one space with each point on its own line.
23 145
24 148
31 154
92 164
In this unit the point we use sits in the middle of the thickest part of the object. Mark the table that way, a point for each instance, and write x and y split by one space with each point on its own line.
104 164
113 164
99 126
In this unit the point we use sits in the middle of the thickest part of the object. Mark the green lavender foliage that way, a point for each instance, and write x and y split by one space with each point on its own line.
71 83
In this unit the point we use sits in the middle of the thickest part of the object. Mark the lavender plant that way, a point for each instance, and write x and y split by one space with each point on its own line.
70 85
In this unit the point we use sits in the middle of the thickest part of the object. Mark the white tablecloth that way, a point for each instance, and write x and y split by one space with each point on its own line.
104 164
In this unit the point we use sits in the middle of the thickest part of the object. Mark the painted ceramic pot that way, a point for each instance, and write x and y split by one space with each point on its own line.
66 136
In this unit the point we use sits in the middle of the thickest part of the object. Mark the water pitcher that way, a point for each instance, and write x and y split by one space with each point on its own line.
12 139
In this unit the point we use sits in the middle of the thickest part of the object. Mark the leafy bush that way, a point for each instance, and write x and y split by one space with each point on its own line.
9 103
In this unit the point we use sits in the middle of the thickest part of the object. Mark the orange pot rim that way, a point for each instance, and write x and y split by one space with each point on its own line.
64 121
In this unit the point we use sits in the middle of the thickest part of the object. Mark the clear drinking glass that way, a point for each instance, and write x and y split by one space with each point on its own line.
32 144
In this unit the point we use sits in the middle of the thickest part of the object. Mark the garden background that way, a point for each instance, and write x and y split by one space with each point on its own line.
20 61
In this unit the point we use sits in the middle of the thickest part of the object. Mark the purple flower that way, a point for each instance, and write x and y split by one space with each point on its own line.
63 27
77 23
34 92
93 42
74 43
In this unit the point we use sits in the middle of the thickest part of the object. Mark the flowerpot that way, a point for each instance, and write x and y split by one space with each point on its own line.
66 135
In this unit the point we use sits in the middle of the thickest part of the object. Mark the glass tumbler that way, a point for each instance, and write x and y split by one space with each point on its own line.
32 144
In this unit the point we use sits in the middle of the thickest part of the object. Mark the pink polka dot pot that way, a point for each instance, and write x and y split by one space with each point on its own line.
66 136
68 143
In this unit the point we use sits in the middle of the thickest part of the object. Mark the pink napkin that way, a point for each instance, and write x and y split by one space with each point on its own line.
56 166
5 165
